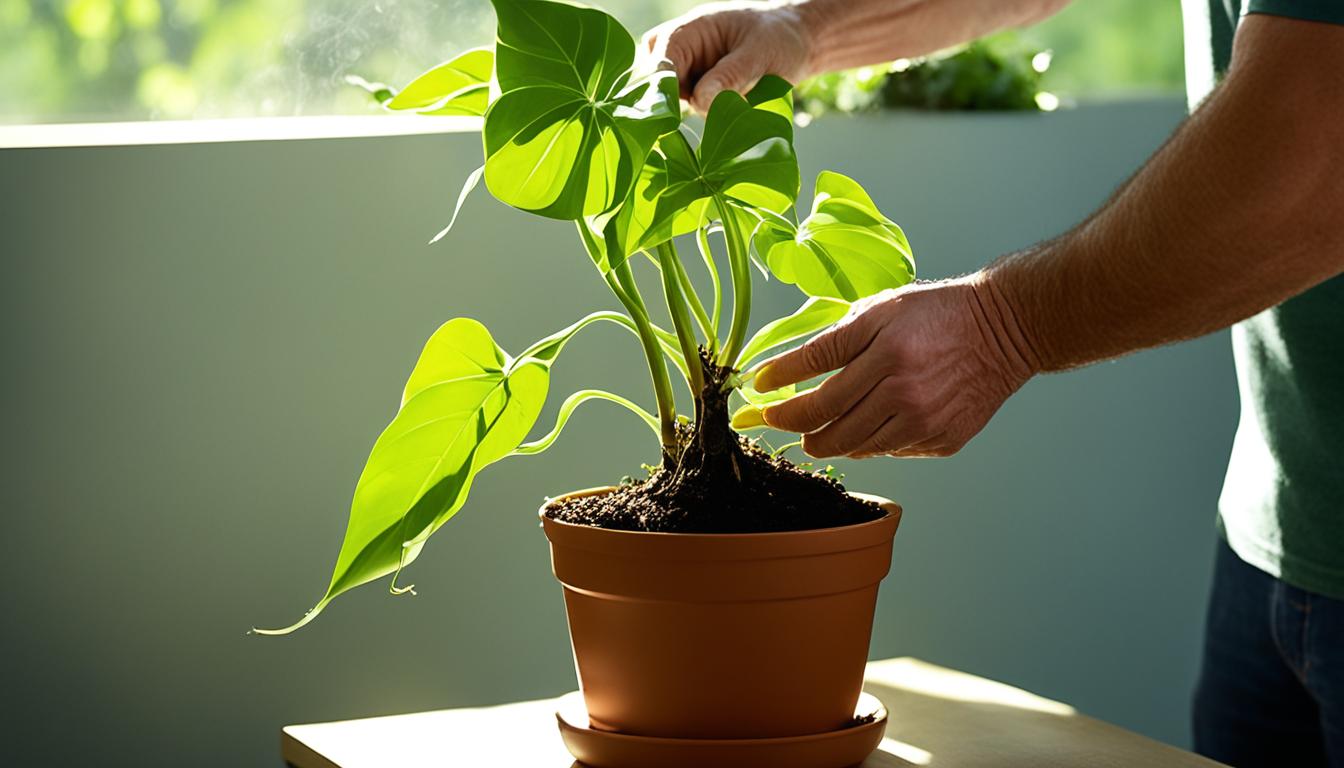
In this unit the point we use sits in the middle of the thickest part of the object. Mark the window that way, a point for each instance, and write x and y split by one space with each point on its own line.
93 60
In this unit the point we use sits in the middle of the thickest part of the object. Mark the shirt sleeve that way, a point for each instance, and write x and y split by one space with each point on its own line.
1328 11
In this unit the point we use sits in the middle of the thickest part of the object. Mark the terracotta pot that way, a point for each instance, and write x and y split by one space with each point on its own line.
721 636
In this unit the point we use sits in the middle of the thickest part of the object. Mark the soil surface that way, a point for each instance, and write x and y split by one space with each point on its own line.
718 482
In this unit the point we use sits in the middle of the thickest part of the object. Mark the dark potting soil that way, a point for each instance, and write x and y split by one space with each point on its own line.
718 482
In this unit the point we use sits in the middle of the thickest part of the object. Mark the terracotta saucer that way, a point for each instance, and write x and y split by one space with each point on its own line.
836 749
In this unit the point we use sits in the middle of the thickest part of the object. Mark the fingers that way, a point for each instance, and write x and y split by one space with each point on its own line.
738 71
668 42
853 428
824 352
835 397
716 49
898 432
904 435
934 448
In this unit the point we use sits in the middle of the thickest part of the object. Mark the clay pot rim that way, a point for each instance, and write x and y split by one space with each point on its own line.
715 546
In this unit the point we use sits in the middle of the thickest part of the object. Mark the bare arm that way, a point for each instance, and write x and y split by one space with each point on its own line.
731 45
852 33
1243 208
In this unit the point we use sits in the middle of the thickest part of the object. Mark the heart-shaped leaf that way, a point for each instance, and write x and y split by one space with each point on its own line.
846 249
460 86
466 405
745 158
747 148
570 130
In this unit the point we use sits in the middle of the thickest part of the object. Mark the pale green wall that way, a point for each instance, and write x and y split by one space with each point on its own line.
201 343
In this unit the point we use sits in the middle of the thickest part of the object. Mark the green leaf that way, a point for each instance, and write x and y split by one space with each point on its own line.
762 399
460 86
747 148
846 249
746 156
815 314
466 405
570 130
773 94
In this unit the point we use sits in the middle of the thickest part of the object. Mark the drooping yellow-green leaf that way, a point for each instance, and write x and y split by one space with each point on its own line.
466 405
570 130
846 249
749 416
752 413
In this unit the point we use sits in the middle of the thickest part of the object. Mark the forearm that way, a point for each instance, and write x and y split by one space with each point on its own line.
1242 209
852 33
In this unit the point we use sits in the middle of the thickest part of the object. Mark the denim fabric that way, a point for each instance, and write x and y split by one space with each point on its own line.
1271 689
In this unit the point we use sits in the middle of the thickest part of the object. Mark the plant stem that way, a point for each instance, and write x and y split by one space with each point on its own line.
567 409
702 240
688 291
697 309
623 285
681 319
739 263
662 382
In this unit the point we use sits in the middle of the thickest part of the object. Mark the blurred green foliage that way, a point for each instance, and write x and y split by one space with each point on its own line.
1113 46
983 75
997 73
66 60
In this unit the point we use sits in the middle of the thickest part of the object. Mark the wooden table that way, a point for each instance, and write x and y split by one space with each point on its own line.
938 717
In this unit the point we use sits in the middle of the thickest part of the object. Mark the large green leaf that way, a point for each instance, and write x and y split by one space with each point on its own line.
460 86
745 158
572 125
747 148
846 249
466 405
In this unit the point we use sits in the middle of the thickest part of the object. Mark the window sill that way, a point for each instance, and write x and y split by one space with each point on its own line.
226 130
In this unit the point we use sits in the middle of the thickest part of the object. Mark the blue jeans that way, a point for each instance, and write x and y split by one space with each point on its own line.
1271 690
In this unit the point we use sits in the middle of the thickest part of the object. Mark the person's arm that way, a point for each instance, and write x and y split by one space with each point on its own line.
1240 210
1243 208
731 45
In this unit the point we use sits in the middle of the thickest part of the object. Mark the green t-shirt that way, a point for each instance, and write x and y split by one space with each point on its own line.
1282 506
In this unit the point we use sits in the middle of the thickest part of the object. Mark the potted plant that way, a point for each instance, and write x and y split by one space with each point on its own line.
730 594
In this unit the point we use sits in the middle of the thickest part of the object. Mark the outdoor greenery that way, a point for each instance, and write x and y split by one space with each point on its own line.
997 73
135 59
576 130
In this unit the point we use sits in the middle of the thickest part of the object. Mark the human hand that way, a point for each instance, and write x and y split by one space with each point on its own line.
922 370
731 45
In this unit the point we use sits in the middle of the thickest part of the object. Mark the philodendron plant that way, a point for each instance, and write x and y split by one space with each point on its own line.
575 130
